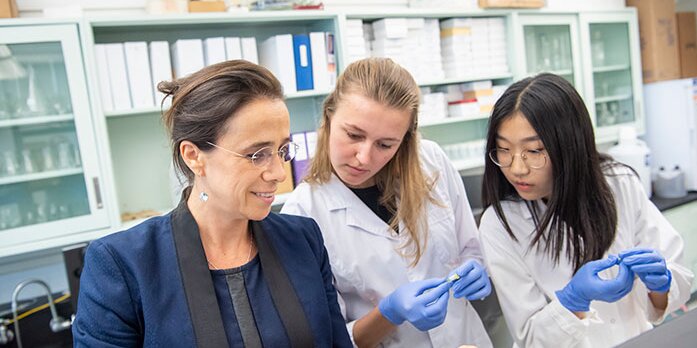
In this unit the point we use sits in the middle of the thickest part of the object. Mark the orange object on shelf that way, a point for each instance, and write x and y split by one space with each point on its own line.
207 6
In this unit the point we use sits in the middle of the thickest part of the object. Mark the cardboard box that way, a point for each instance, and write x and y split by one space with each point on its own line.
206 6
8 9
658 33
511 3
687 43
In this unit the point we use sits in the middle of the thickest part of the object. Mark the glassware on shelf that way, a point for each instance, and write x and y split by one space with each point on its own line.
28 161
10 216
544 62
58 98
10 164
47 157
614 112
65 155
598 48
556 58
602 114
5 112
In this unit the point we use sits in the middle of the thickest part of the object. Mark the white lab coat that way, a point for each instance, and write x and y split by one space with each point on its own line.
526 279
367 267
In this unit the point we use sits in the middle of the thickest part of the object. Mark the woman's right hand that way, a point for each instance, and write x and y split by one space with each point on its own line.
587 286
423 303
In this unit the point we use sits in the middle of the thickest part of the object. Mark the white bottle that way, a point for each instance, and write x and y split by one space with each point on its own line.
634 153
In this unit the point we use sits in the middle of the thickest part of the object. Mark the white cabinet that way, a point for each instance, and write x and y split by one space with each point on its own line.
50 178
68 168
612 72
139 146
551 44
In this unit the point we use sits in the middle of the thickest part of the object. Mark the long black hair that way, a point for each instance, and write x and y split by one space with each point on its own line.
581 216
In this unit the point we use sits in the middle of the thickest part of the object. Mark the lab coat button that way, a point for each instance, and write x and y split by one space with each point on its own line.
612 321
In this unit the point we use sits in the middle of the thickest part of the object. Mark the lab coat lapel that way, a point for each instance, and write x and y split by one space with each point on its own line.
358 215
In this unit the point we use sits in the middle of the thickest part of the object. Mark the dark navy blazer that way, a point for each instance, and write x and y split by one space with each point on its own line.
131 291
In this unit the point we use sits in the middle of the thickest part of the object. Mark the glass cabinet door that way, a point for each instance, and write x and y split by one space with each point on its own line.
613 53
49 178
550 44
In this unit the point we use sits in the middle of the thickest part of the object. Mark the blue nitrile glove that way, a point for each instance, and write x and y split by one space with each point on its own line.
650 266
473 282
423 303
587 286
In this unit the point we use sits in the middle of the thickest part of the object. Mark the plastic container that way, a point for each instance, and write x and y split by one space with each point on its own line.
670 183
634 153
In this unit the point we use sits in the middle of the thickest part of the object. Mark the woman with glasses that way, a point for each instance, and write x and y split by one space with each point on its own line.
219 270
568 230
394 216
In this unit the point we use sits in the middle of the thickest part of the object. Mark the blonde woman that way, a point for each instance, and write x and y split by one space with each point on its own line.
394 216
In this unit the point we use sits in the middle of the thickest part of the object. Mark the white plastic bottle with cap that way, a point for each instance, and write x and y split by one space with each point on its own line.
634 153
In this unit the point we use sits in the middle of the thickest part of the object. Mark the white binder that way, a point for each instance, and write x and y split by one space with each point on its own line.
139 78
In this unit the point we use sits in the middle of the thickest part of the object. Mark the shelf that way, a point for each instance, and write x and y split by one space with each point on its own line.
613 98
462 79
449 120
39 176
158 110
561 72
210 18
609 68
468 163
134 112
35 120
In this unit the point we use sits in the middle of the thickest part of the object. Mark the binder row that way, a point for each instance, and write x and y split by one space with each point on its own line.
296 170
128 72
301 62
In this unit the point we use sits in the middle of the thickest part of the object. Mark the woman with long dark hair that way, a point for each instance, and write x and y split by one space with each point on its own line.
567 230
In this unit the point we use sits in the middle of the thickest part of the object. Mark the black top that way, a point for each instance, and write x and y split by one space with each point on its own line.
371 197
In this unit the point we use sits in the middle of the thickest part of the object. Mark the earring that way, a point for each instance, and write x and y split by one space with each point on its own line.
203 196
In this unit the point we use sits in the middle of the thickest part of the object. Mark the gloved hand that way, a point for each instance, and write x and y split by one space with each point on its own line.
586 285
473 283
413 303
650 266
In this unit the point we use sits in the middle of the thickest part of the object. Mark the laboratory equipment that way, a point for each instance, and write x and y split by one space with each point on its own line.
671 126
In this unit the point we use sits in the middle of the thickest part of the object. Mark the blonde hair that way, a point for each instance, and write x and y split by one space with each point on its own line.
402 178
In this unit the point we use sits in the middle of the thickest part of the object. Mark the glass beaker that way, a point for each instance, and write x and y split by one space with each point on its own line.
598 48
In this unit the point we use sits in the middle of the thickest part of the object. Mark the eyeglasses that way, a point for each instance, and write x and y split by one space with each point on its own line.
262 157
534 159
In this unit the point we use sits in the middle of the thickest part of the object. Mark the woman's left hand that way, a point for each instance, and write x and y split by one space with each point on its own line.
650 266
473 282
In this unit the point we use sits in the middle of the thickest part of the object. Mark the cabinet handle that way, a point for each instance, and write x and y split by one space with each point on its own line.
97 192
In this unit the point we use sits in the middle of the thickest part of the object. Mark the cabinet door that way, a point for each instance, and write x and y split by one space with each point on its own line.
613 71
551 45
49 170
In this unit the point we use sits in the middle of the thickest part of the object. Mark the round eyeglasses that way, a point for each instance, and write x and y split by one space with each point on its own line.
263 156
534 159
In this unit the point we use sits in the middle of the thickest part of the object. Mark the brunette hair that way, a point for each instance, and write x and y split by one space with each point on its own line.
581 214
203 102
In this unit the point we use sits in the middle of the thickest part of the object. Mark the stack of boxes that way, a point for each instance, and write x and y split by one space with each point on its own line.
355 44
433 106
413 43
474 46
472 99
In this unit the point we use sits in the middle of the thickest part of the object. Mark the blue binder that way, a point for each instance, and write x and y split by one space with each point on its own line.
303 62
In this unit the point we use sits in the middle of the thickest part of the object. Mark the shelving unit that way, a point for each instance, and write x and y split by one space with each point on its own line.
51 181
450 120
125 155
26 121
16 179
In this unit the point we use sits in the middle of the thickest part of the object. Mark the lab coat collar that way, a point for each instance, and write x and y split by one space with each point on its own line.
541 206
357 213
